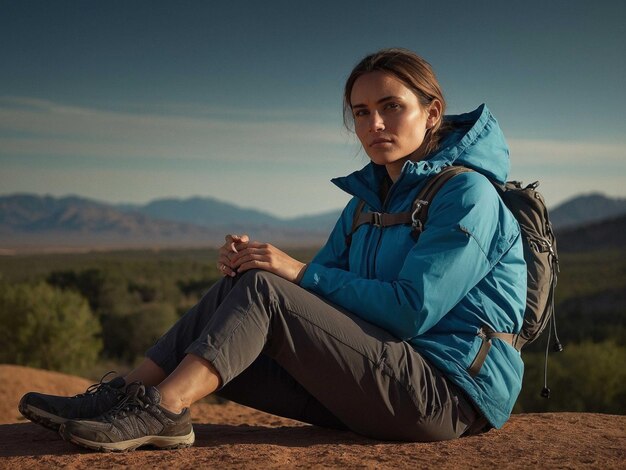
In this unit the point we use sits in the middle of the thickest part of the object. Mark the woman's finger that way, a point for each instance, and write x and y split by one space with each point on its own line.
224 259
235 242
236 238
257 246
241 238
237 258
250 257
222 252
253 264
225 266
227 271
230 237
223 269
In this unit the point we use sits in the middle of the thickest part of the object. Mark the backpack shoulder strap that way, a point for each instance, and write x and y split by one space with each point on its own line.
416 217
419 212
355 221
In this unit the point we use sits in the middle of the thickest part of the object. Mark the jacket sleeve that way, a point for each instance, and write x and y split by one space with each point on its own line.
461 242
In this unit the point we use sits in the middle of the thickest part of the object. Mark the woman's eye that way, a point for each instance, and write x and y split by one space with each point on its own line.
392 106
360 112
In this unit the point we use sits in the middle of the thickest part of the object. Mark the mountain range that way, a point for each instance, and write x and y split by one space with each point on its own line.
34 223
586 209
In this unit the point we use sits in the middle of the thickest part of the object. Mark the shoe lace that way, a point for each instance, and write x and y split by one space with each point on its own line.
97 388
131 402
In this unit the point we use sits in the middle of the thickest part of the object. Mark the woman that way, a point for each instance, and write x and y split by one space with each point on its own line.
376 335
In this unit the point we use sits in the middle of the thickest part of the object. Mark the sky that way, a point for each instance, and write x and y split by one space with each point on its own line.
131 101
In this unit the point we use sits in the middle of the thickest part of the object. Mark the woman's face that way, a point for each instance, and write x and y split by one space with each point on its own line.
389 120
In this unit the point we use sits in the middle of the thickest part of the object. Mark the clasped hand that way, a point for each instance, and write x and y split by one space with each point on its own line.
239 254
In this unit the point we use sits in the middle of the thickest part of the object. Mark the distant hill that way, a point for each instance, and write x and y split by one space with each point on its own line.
207 212
29 222
35 214
325 221
210 212
585 209
36 222
603 235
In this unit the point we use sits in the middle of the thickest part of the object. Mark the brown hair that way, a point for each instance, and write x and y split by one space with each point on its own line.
414 72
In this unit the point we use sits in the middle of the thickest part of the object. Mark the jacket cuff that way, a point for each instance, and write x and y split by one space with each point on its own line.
310 276
301 274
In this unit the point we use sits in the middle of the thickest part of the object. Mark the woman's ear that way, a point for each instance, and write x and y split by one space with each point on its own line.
434 113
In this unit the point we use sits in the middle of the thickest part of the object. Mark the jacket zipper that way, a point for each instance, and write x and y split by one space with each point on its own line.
380 230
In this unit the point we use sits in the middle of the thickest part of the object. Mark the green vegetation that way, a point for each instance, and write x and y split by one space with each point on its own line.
47 328
584 274
586 376
591 317
135 296
83 313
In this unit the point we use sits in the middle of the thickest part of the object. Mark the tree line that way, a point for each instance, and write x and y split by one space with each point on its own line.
74 313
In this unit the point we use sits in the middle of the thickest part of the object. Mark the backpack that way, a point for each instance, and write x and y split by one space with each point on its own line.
529 209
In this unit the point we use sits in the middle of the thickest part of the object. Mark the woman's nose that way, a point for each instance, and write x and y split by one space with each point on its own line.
376 123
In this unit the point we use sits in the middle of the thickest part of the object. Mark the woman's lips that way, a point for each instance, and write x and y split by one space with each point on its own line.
380 142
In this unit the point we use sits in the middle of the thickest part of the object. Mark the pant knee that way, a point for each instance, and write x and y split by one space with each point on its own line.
260 279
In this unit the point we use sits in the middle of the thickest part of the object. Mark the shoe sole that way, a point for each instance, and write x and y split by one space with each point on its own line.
36 415
161 442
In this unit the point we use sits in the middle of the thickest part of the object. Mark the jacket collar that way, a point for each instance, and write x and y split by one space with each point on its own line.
475 141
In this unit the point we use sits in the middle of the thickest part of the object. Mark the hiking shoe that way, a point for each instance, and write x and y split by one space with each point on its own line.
51 411
135 421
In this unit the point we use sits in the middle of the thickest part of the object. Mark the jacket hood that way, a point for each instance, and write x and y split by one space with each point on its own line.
475 141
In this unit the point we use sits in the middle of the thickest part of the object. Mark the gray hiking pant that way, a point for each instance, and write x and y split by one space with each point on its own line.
281 349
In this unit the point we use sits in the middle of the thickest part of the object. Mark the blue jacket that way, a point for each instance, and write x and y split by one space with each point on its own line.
466 270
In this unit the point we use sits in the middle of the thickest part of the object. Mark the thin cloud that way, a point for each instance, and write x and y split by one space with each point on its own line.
42 127
538 151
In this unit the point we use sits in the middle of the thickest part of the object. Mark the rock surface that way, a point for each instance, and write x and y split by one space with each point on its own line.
232 436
